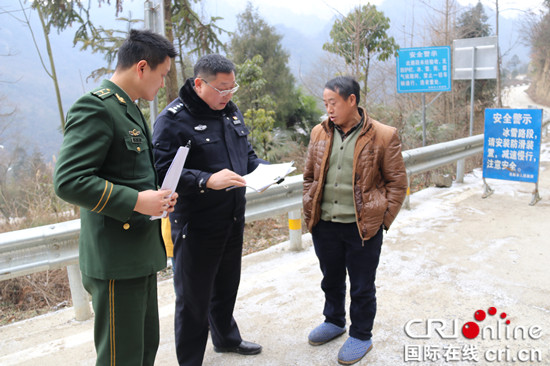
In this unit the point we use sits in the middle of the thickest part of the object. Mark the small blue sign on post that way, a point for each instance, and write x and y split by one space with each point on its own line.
511 148
424 69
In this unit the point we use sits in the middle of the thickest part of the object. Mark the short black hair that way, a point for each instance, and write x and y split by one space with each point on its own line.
345 86
211 65
144 45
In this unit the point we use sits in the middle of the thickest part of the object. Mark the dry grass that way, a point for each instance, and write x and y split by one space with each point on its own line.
27 296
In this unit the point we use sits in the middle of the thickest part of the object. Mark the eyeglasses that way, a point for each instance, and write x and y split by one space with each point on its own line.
223 93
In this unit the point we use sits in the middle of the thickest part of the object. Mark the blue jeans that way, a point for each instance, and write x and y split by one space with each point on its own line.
339 248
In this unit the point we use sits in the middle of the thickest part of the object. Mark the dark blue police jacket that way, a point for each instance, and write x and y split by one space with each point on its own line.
218 140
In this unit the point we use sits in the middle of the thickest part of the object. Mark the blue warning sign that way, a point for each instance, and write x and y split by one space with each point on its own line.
511 148
424 69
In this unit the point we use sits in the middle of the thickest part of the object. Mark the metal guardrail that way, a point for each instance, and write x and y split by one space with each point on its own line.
433 156
430 157
276 200
48 247
38 249
55 246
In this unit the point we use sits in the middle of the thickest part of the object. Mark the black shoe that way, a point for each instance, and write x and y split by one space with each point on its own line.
245 348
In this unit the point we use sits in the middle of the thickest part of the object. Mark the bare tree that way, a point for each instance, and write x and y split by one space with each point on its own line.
51 72
7 110
536 35
439 30
323 69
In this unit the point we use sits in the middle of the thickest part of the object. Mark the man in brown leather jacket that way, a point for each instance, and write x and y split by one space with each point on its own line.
354 184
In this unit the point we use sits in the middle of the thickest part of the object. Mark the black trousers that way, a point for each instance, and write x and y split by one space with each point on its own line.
207 260
339 248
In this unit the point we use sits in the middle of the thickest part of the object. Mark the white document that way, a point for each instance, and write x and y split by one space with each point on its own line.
173 174
266 175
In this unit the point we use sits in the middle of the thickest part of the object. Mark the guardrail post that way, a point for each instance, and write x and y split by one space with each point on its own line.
407 202
460 170
295 229
81 301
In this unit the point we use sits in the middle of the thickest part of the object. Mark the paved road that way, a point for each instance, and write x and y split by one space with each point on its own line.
452 254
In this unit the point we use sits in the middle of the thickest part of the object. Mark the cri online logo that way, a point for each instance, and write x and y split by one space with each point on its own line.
499 329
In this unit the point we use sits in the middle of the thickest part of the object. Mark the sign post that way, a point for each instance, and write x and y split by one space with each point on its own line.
154 16
511 148
154 21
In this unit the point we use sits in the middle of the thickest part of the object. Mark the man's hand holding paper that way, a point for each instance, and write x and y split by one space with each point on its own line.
225 178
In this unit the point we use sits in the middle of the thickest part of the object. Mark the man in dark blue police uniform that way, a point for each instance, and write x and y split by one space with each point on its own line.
208 220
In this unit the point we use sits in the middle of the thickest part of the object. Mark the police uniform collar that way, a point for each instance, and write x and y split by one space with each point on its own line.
197 106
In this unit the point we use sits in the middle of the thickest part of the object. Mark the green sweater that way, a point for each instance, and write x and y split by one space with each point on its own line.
337 204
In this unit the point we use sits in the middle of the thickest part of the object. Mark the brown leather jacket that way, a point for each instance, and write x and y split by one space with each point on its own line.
380 182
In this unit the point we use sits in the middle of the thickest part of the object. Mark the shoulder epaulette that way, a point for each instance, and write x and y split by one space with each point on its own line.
103 93
236 120
175 109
